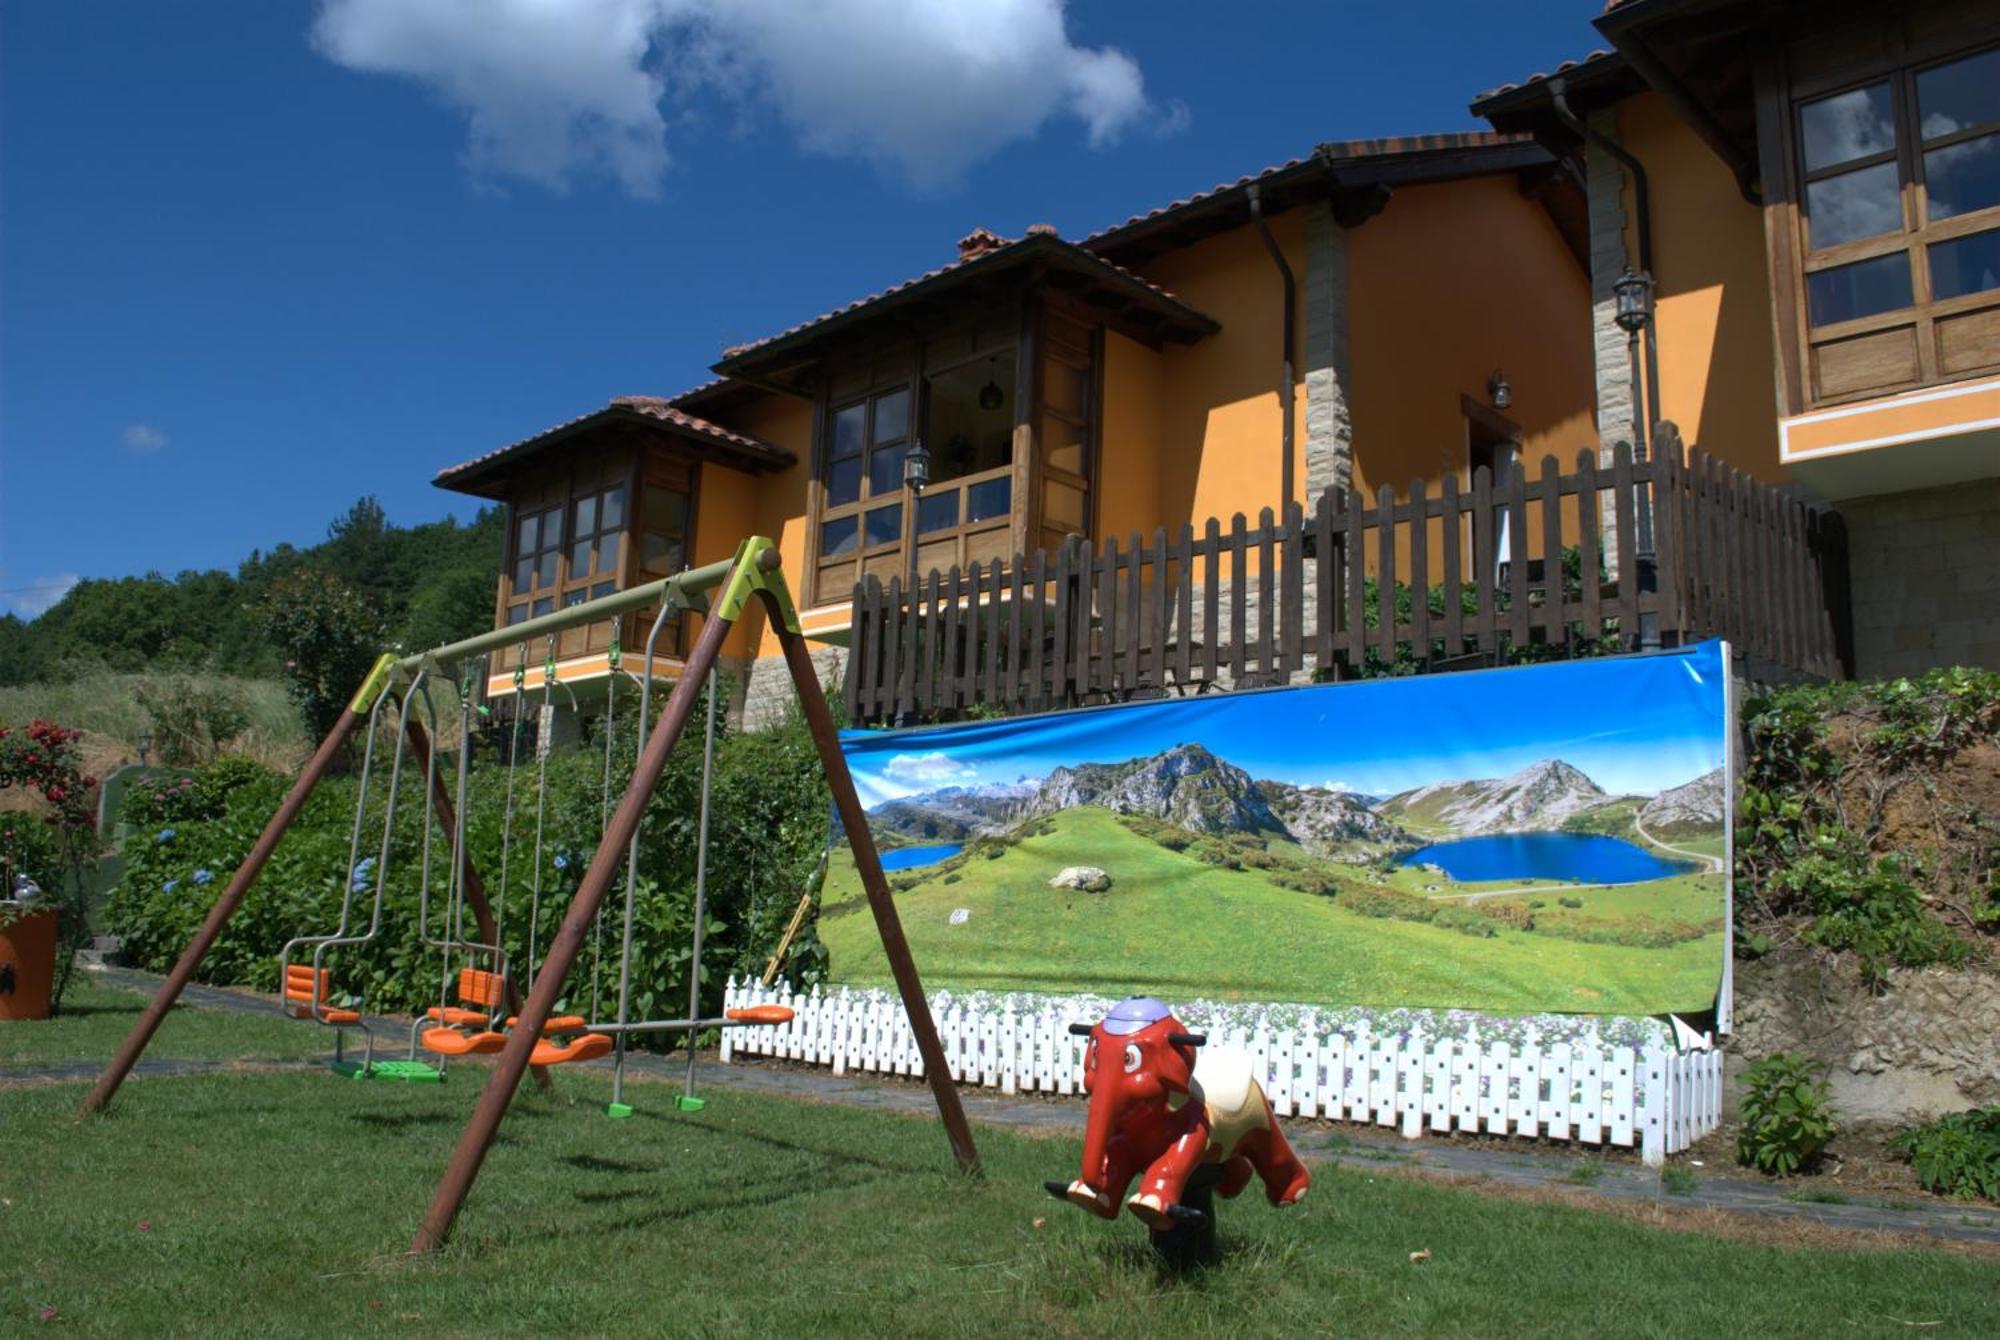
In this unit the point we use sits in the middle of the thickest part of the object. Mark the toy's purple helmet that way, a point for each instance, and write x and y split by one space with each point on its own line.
1134 1013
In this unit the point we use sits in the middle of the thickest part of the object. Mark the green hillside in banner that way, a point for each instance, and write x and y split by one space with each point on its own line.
1241 915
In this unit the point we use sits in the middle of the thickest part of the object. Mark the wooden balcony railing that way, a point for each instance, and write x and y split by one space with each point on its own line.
1445 578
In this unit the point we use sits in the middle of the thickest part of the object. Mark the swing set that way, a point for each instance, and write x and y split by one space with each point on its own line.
489 1016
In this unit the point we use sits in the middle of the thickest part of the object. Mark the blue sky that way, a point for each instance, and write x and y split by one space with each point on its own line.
258 257
1634 725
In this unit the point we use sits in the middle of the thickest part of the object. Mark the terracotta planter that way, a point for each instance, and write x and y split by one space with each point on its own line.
27 965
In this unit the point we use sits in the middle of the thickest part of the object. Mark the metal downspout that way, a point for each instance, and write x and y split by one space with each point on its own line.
1287 395
1642 199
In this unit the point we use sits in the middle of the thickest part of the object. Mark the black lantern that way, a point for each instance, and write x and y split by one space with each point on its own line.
1634 292
916 466
991 397
1497 389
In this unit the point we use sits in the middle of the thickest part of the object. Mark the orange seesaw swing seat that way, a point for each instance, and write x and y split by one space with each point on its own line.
305 991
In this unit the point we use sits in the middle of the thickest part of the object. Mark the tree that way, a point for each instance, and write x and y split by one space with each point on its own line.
329 635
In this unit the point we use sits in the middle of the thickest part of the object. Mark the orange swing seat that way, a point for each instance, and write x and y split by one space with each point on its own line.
305 988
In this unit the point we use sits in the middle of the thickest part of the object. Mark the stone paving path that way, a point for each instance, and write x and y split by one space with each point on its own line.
1534 1167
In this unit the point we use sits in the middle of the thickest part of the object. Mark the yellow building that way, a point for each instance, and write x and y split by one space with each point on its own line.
1814 189
1371 313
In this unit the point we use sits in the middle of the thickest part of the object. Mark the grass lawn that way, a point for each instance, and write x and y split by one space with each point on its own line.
95 1019
1173 925
280 1203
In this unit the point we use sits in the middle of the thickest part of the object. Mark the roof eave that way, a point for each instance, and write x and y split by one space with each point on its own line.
481 478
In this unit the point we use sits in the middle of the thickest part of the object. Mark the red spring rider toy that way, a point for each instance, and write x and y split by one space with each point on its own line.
1185 1126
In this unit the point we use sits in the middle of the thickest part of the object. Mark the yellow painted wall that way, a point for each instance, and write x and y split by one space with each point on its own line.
1214 413
768 504
1718 377
1448 283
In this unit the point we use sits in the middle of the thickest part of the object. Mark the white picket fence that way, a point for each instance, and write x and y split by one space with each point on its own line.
1653 1096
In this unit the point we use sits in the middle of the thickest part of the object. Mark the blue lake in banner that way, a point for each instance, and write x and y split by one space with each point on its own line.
1587 858
909 858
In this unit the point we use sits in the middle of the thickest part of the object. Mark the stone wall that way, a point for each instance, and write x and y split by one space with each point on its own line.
766 692
1926 575
1921 1048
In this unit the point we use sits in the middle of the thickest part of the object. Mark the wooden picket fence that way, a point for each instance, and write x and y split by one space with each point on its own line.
1655 1097
1510 570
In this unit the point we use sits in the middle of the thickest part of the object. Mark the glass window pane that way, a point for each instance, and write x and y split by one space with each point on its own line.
545 571
1861 289
552 531
602 589
575 598
987 500
666 509
939 511
526 532
1062 506
586 516
1959 96
516 614
546 605
659 554
847 429
579 559
524 574
607 551
885 470
885 525
1962 177
611 508
892 415
1965 265
1854 205
838 537
843 482
1847 126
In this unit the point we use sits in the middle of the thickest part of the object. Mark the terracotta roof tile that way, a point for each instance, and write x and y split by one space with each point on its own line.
1040 233
1543 76
653 407
1332 151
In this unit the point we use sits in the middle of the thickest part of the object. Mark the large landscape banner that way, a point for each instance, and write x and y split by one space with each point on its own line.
1543 838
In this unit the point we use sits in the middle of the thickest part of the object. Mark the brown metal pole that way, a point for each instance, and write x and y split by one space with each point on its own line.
826 737
475 891
218 915
478 1135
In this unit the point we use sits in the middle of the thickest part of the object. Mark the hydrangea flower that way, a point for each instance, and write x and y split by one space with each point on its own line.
362 871
170 886
164 835
562 861
204 875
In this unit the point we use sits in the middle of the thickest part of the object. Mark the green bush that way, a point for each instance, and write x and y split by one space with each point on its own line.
192 716
769 823
1957 1155
1788 1115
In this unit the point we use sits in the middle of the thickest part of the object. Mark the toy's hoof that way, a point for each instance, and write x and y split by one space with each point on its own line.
1060 1190
1160 1216
1079 1194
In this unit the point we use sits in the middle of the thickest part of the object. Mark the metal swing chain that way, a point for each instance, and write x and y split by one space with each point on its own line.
542 720
612 656
513 765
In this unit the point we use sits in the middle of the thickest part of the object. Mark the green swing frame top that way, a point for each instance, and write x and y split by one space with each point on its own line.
721 593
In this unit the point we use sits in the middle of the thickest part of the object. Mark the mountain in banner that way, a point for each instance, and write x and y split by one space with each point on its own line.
1692 807
1186 786
1538 797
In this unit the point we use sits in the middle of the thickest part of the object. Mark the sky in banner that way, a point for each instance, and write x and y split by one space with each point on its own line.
1634 725
262 256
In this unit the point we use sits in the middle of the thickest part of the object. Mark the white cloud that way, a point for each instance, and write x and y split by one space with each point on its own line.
142 439
554 90
1335 786
34 598
925 771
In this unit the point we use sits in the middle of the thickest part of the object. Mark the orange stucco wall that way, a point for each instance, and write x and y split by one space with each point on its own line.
1194 432
1449 283
1718 377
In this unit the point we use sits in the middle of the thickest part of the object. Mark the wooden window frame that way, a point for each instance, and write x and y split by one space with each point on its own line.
1913 240
538 590
575 589
865 500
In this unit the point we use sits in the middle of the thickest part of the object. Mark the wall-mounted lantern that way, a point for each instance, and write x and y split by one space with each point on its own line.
1498 391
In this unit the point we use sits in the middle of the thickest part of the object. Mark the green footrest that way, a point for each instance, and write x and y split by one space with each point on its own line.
689 1104
409 1072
